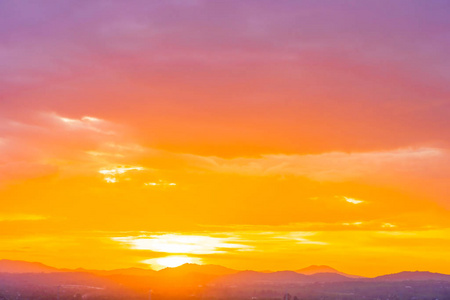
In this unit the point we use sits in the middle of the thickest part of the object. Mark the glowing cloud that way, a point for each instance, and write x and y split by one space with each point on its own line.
110 174
90 119
300 238
177 243
120 170
86 123
160 183
353 224
97 153
388 225
328 166
352 200
83 120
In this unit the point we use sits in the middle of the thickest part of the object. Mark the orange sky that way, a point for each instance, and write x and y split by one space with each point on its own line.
254 135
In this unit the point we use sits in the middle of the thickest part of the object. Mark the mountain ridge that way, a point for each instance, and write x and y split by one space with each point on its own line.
413 275
316 269
313 273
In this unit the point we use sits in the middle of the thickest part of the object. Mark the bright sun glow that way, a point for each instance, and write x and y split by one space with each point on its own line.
160 183
110 174
120 170
353 201
178 243
171 261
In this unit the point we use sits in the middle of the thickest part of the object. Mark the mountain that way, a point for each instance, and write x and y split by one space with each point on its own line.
126 271
413 276
314 269
247 285
281 277
18 266
194 268
192 280
330 277
253 277
225 275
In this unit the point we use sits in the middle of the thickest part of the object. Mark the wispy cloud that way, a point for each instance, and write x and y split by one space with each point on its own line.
177 243
333 166
352 200
87 123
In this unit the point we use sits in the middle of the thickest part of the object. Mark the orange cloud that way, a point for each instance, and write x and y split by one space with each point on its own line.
300 138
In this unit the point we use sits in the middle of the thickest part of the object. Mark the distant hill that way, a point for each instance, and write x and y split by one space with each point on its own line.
253 277
413 276
126 271
281 277
194 268
192 280
18 266
330 277
82 285
314 269
225 275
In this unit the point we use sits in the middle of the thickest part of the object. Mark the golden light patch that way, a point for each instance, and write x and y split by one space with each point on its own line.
354 224
178 243
353 201
388 225
172 261
110 174
160 183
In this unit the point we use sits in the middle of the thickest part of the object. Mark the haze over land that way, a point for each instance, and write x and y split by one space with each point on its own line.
253 135
191 281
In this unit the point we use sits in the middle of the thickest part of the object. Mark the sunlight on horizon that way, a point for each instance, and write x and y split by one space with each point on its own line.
179 243
171 261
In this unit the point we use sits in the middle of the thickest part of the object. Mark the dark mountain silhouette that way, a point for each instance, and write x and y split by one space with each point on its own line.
281 277
194 268
252 277
314 269
226 275
59 278
413 276
330 277
125 271
18 266
38 281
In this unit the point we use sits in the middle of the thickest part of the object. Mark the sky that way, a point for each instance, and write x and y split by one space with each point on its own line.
263 135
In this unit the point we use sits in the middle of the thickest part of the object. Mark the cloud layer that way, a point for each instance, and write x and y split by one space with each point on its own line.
274 127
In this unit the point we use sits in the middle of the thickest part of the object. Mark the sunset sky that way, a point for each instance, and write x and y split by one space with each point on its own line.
264 135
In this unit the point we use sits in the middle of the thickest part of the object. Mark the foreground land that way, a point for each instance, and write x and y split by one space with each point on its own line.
22 280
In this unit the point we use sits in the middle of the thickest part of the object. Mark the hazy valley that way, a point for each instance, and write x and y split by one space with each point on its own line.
26 280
